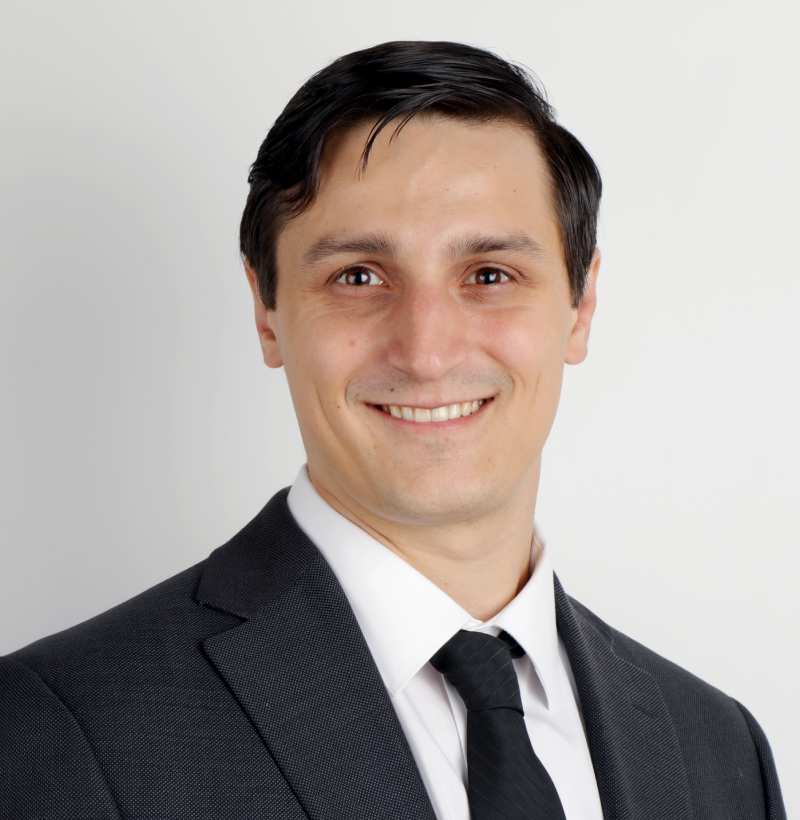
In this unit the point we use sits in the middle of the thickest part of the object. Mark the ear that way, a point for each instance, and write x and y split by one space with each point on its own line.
265 323
577 344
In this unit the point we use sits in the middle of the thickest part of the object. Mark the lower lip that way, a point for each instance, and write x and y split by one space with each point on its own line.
432 426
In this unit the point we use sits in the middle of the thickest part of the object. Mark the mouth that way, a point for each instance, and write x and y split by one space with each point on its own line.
447 417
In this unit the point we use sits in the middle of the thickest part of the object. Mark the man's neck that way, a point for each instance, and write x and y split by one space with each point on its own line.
482 565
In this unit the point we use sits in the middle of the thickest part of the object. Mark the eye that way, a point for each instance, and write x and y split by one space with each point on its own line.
495 274
361 275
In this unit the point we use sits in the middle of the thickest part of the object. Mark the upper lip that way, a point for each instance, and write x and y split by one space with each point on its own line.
429 405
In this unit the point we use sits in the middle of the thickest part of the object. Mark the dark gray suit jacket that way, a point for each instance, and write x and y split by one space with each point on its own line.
242 688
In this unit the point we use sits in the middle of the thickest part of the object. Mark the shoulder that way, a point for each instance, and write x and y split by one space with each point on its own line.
66 695
684 691
719 737
153 629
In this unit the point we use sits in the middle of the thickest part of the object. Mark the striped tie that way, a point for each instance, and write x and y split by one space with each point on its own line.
506 781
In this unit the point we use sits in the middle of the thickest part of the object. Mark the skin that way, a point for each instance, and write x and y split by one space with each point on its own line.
420 327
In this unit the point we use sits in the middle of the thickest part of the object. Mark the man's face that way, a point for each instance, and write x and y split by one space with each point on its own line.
465 298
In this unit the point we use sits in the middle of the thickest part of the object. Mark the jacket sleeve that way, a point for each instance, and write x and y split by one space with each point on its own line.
774 808
48 770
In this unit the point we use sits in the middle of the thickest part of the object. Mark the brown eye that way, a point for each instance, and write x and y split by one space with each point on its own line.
494 275
357 276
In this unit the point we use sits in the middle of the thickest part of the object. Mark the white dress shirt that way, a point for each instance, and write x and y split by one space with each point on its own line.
406 618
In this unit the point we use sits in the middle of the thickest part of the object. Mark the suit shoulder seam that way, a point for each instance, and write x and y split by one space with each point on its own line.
78 724
747 717
764 758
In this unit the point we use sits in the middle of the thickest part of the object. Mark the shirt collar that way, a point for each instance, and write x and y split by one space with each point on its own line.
404 616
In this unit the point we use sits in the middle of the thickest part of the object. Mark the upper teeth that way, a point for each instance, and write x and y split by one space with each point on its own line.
443 413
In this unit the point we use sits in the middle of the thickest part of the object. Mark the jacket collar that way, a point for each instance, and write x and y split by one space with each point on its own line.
300 668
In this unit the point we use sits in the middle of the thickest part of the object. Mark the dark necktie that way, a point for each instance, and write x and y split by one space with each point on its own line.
505 777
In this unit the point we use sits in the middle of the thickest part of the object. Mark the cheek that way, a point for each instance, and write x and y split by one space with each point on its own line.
323 357
314 341
526 345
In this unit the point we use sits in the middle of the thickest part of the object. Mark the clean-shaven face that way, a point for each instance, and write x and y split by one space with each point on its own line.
423 319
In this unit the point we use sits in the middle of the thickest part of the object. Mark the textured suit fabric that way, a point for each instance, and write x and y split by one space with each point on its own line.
242 687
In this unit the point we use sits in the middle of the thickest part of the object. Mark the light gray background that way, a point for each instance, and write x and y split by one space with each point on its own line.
139 428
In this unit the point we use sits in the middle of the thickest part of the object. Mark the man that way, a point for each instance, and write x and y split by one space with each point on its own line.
386 638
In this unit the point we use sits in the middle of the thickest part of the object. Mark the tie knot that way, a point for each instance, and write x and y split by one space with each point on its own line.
480 668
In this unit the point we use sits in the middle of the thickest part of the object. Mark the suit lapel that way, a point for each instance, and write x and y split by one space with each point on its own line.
638 763
300 668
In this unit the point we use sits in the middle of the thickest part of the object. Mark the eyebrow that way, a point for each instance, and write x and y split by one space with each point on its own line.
379 243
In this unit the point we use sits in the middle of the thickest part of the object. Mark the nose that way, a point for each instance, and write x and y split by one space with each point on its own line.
427 332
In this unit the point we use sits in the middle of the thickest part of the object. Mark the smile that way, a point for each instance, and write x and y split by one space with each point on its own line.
446 415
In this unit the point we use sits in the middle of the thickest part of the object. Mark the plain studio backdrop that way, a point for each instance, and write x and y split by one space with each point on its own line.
139 427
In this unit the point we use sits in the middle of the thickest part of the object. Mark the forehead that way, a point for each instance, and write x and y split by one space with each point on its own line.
436 176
